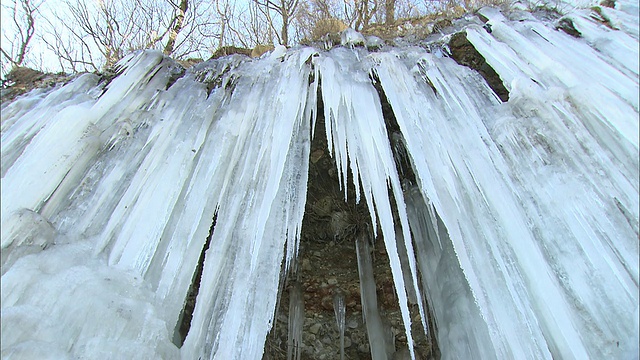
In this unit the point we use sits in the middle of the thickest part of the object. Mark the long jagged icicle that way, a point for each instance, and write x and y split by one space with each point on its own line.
375 327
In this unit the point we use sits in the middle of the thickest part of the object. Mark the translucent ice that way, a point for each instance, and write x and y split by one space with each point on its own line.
521 222
340 312
296 320
369 300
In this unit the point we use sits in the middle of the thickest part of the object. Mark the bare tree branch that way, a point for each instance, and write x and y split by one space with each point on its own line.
23 16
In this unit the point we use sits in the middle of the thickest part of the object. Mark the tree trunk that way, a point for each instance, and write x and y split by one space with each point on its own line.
173 35
285 28
389 7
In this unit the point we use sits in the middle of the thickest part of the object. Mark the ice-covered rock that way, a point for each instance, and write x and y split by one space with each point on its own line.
374 43
351 38
520 220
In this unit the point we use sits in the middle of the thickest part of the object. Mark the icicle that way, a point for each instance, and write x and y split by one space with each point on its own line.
375 328
296 320
404 262
340 311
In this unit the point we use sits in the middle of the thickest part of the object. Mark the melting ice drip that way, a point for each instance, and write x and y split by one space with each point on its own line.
296 321
381 348
340 311
524 213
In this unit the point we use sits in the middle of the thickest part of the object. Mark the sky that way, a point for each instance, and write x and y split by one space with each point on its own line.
38 55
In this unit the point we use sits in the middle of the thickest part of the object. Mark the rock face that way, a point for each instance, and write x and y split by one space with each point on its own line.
466 54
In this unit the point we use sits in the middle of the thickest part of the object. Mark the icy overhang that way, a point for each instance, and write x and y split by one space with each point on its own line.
524 214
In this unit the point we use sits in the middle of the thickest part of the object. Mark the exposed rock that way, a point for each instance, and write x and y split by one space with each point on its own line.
259 50
463 52
187 63
598 15
608 3
352 324
440 25
23 75
328 262
566 24
306 265
230 50
314 329
21 80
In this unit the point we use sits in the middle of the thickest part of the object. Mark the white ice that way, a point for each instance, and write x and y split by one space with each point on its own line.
521 227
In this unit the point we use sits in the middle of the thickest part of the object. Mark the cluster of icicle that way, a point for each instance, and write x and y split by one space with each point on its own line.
523 220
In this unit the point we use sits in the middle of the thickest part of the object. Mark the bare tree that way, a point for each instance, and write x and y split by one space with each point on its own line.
252 28
177 22
23 14
363 12
286 9
72 50
94 34
389 11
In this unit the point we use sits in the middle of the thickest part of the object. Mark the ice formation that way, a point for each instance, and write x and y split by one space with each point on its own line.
378 343
522 215
340 312
296 320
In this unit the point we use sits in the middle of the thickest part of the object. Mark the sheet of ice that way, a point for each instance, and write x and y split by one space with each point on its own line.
162 157
259 216
68 305
358 140
538 195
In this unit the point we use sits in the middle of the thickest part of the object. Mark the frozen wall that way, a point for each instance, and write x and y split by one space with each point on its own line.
523 215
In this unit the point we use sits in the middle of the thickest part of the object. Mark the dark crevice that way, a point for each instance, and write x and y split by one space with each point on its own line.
608 3
175 75
107 76
407 176
566 25
464 53
395 137
598 15
186 315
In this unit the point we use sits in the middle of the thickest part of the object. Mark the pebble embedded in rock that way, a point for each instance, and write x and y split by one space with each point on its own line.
364 348
314 329
306 265
347 342
332 281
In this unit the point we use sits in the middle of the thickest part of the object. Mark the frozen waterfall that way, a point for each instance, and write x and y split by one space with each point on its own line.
519 223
